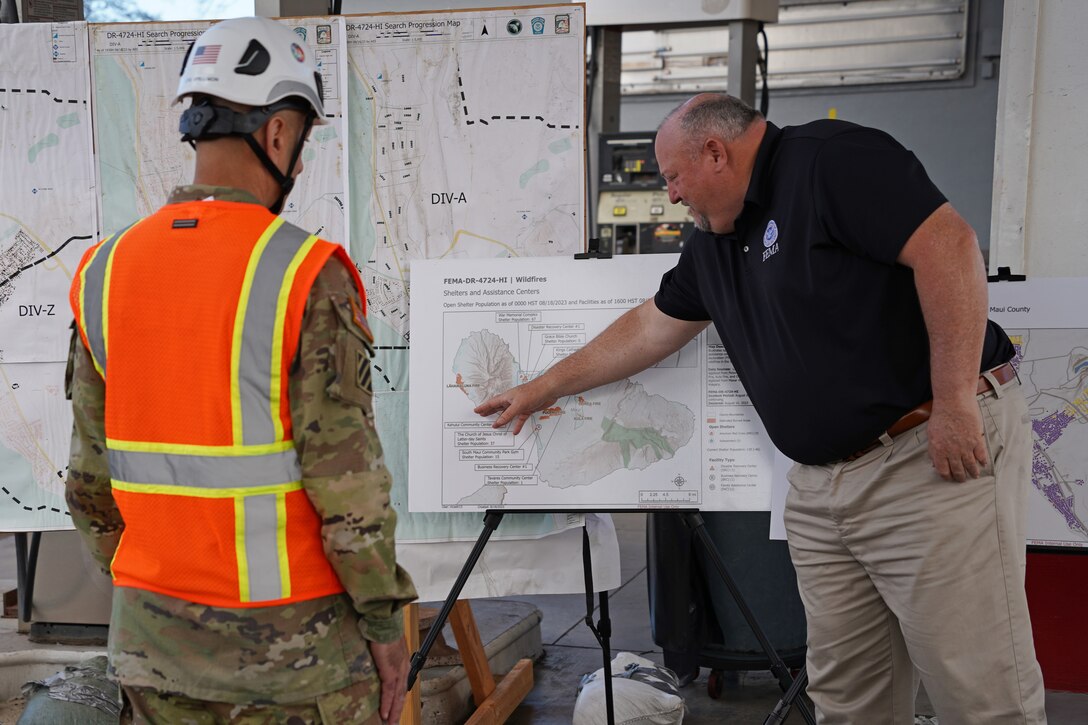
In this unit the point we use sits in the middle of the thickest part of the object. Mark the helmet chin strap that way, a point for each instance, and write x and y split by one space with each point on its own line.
286 181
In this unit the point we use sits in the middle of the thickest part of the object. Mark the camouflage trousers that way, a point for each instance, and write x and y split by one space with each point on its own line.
352 704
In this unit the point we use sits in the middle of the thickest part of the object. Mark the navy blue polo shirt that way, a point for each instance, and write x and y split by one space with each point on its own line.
824 327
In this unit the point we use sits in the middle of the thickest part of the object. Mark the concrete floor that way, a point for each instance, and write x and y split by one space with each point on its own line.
571 650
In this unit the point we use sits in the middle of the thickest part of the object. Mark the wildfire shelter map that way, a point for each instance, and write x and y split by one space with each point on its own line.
680 434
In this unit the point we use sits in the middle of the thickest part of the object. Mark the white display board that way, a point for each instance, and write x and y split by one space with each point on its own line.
682 434
47 204
1050 332
47 221
467 142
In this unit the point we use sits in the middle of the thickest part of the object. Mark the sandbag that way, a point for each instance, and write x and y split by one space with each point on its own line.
642 693
78 695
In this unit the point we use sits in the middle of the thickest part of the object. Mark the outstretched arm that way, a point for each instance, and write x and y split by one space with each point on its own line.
634 342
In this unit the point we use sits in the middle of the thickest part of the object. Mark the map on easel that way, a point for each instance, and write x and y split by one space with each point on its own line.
682 434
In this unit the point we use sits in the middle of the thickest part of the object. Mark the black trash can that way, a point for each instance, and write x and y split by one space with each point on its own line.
693 616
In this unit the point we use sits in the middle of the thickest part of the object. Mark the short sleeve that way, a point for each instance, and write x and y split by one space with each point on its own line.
679 296
871 193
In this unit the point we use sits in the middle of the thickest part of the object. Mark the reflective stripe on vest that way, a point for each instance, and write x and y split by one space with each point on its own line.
258 333
205 472
260 468
92 308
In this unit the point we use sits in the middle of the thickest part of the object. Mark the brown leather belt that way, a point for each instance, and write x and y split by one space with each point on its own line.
1002 374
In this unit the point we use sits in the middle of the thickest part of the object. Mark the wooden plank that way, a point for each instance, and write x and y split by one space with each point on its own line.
509 693
471 648
413 704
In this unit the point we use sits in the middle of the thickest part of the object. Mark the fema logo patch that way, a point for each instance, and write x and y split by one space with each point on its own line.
538 26
770 236
297 51
770 240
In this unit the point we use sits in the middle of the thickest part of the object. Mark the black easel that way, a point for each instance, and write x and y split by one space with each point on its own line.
791 687
602 630
1004 274
26 568
492 519
594 251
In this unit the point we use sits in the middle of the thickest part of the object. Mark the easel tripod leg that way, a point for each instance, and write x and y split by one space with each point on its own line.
785 681
782 709
604 626
603 629
492 519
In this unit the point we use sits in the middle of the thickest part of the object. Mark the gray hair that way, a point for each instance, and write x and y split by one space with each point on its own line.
715 114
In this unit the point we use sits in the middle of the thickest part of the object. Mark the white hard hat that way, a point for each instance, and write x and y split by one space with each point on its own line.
252 61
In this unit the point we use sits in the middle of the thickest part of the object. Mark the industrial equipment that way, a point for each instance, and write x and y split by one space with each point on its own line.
634 215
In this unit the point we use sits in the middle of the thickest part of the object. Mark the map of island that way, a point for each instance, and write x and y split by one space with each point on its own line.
484 366
614 427
579 441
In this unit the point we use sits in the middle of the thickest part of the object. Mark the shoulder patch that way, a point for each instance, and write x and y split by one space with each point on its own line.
359 319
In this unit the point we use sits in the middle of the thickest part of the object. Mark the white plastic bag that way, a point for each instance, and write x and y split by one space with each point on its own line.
642 693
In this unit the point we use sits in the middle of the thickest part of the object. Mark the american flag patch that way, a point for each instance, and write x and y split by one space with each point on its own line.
206 54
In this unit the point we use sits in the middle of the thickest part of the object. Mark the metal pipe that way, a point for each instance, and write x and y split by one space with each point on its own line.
816 46
884 15
807 71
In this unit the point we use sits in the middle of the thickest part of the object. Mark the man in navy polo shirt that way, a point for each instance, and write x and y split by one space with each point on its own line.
851 297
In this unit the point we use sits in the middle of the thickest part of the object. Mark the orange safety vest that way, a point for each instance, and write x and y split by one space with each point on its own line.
192 317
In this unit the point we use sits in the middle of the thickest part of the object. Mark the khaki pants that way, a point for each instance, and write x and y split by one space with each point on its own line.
904 574
352 705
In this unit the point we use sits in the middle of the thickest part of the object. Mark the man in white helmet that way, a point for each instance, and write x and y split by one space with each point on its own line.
225 466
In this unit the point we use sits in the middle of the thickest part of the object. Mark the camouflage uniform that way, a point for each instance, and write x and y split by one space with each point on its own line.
350 705
300 653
